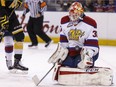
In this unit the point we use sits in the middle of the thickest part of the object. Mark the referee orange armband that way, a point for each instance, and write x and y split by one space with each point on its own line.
43 4
25 5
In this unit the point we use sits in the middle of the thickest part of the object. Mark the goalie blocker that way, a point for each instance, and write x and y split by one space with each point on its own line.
91 76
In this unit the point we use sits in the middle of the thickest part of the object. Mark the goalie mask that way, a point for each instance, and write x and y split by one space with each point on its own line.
75 11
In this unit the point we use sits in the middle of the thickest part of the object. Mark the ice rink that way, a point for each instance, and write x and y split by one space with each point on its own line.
36 61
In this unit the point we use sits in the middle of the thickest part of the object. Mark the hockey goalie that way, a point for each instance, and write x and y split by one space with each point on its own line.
78 50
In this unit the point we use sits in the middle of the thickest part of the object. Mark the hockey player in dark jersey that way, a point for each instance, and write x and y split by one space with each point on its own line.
11 30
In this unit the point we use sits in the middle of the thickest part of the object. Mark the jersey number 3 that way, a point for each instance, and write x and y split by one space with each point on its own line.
94 33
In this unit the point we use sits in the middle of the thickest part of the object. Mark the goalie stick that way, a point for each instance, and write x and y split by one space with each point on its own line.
36 79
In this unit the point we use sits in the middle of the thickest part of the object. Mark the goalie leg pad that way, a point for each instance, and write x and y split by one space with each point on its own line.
92 76
55 73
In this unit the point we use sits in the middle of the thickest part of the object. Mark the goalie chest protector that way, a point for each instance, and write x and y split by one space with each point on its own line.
92 76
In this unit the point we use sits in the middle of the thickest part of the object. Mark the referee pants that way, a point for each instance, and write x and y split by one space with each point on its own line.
35 27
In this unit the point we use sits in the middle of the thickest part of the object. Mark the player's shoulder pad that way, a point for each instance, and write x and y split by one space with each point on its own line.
90 21
65 19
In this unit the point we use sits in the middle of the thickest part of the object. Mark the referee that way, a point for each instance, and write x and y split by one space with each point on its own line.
35 22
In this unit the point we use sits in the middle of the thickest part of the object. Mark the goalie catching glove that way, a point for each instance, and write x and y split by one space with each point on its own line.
86 58
60 54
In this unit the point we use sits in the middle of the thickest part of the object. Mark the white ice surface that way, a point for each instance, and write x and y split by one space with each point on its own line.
36 61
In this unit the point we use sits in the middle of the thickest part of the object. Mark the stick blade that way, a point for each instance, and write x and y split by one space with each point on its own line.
35 79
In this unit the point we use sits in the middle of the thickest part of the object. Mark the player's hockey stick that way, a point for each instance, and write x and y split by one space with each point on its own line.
36 79
11 13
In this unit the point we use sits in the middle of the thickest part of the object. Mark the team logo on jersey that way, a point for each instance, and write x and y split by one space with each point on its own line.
75 34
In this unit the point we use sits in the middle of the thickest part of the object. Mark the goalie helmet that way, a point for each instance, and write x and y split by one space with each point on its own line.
75 11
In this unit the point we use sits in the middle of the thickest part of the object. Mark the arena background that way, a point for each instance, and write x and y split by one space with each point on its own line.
105 22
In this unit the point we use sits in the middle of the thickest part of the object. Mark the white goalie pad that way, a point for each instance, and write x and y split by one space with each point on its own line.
60 54
55 73
79 77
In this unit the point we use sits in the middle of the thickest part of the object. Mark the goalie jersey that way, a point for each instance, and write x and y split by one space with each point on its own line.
82 33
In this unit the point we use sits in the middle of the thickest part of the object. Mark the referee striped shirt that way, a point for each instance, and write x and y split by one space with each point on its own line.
34 8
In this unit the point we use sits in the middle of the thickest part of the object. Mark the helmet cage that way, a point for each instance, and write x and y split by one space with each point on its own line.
75 11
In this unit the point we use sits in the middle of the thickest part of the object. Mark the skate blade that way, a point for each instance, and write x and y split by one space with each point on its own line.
16 71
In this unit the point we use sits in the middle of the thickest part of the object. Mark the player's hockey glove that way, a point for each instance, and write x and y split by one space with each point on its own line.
4 22
43 4
16 4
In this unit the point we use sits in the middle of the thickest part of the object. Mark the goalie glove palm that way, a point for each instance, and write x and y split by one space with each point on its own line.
86 58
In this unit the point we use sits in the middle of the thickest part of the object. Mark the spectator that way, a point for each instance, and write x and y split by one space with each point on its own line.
65 4
99 6
110 6
88 6
80 1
